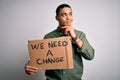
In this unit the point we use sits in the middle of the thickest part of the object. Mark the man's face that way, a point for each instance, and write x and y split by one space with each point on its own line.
65 17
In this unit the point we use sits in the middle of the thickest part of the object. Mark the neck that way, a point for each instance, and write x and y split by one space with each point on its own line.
62 31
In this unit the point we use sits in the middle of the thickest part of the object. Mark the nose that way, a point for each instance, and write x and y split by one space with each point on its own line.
67 17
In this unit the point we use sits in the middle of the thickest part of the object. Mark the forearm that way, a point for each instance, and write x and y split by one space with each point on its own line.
86 50
78 41
83 46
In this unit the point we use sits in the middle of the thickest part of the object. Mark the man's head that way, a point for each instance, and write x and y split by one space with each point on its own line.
60 7
64 15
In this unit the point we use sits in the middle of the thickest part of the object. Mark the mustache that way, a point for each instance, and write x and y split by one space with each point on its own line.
69 21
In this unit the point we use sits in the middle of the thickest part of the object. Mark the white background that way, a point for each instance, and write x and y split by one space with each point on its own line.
23 20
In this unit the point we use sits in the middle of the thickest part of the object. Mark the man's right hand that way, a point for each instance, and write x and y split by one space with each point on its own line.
30 70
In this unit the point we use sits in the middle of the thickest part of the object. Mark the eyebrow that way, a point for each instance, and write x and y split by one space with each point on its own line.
66 13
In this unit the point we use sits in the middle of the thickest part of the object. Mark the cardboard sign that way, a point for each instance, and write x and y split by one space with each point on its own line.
53 53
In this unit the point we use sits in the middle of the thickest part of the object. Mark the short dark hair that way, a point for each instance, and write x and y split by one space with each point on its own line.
60 7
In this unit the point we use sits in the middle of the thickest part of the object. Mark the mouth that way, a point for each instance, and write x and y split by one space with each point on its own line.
68 23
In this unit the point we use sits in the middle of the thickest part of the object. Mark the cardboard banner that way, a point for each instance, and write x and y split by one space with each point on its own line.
53 53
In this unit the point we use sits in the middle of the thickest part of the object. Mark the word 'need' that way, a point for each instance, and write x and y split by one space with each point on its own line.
51 44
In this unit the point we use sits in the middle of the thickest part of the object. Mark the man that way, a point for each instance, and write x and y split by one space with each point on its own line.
80 47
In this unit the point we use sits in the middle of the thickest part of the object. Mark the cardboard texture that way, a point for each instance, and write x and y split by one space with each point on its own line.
53 53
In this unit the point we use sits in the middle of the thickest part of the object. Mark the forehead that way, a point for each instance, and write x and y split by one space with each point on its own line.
66 10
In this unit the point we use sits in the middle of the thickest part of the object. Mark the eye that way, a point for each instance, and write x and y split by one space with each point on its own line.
63 14
70 14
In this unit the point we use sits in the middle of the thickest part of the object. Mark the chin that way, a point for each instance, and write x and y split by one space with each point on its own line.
67 25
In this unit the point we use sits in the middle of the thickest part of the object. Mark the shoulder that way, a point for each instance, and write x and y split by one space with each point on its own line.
79 33
50 34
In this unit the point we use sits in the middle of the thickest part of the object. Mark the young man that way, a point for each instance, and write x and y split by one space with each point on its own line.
80 47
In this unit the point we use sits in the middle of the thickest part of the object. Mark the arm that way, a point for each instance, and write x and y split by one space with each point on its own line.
86 49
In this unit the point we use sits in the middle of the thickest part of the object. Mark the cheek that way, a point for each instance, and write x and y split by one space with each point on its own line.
71 18
62 20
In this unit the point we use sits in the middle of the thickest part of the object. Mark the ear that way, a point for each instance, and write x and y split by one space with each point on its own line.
57 18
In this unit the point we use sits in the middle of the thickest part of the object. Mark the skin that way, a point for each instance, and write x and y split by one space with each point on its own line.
65 20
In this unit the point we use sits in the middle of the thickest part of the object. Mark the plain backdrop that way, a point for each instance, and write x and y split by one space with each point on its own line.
23 20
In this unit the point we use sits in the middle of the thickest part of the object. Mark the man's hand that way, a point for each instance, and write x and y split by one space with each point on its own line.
30 70
68 29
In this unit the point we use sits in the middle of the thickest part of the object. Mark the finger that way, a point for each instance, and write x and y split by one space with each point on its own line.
31 70
30 73
31 67
64 27
68 29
